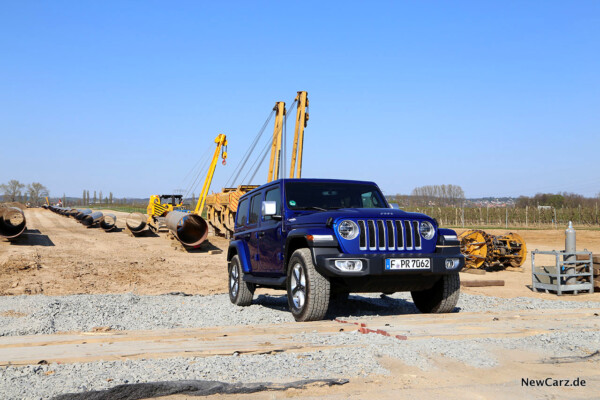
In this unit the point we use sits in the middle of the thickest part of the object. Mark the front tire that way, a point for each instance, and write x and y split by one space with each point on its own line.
240 291
307 290
442 297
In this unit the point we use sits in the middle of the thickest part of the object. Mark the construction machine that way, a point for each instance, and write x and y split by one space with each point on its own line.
222 207
189 227
484 250
157 210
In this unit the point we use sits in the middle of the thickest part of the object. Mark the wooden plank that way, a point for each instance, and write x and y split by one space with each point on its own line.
189 342
482 283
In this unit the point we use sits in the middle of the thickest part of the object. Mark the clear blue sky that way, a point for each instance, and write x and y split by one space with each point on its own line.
501 98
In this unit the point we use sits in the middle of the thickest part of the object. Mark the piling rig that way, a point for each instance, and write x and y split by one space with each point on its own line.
221 207
483 250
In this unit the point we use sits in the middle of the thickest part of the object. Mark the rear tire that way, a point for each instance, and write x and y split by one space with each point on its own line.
240 291
307 290
442 297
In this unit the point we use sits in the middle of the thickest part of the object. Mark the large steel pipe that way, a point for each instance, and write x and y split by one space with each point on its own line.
82 213
190 229
136 222
108 222
12 222
92 219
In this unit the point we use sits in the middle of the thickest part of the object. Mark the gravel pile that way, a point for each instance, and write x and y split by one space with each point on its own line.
28 315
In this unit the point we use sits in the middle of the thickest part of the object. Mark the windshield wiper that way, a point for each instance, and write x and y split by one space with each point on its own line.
310 208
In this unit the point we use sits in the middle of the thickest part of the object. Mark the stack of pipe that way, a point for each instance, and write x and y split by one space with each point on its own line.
12 222
87 217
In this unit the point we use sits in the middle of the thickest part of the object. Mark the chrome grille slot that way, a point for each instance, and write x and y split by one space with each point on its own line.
417 235
391 235
362 237
400 235
371 235
381 234
408 234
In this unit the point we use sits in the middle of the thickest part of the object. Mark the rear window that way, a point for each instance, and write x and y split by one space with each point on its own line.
254 209
242 212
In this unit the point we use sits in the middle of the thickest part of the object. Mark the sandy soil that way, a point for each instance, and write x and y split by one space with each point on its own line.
59 256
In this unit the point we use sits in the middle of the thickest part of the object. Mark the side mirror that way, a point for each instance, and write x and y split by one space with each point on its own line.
394 206
269 208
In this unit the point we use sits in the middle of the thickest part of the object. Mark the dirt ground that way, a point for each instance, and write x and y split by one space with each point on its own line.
59 256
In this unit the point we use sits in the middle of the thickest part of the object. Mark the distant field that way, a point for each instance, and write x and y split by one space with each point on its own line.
513 217
122 208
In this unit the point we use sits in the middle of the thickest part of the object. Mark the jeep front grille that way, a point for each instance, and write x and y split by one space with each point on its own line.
389 235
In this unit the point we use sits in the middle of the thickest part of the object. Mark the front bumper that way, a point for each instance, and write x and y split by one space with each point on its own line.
374 264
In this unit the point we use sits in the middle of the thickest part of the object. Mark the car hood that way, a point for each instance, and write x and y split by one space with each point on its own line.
310 217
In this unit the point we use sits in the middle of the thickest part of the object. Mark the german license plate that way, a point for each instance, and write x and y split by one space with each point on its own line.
407 263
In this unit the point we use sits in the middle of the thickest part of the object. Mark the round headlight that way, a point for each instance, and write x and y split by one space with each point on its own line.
426 230
348 229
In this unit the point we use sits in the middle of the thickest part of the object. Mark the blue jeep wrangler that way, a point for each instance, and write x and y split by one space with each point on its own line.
321 239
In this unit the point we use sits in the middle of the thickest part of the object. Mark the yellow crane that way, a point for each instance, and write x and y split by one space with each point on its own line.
221 141
276 145
189 227
301 122
298 146
158 209
221 207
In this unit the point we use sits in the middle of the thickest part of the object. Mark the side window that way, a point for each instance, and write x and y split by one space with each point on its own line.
242 213
255 205
273 195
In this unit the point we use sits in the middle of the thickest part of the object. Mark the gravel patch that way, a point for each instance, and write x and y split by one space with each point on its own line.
45 381
39 314
418 353
355 354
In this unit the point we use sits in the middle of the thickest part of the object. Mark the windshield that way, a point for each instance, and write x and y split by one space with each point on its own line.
332 195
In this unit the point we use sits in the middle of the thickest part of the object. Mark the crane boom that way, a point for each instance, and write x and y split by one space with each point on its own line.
301 121
275 162
221 141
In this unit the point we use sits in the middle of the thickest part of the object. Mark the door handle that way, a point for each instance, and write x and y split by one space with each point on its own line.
261 234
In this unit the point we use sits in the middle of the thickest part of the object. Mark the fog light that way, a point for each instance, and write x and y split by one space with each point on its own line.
451 263
349 265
